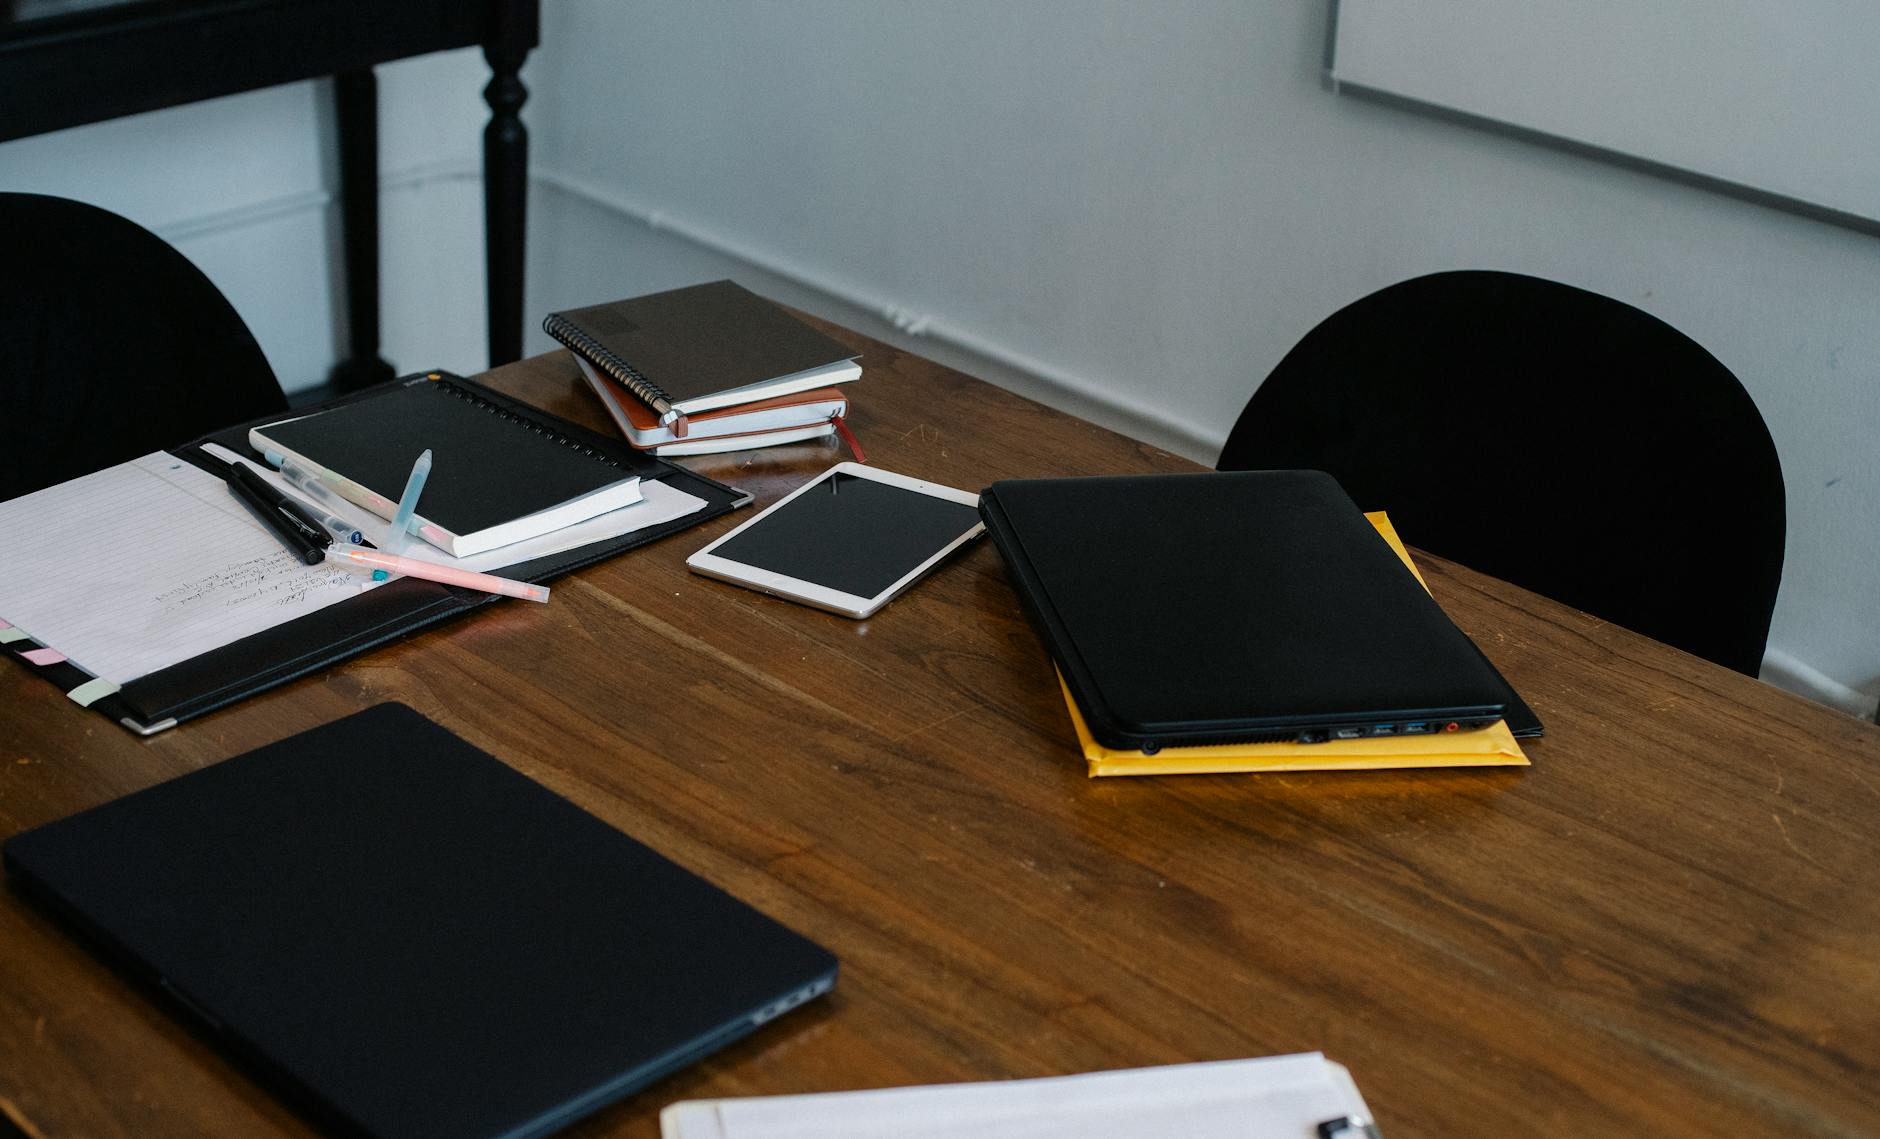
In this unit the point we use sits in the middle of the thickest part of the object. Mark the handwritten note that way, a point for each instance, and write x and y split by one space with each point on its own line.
148 563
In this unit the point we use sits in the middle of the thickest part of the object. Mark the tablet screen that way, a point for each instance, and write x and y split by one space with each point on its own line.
851 534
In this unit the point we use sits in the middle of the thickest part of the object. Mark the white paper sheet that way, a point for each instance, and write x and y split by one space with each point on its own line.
1281 1097
146 564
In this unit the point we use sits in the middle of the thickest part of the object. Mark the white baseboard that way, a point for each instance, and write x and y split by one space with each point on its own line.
284 205
1798 676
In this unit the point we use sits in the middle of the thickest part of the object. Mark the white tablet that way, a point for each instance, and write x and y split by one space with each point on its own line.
847 541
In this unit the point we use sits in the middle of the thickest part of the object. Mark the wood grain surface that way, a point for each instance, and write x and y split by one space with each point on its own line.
1668 926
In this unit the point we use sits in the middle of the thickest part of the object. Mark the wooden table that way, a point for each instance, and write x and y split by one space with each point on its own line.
1668 926
163 53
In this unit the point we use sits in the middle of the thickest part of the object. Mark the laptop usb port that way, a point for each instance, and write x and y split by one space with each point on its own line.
1384 729
1347 733
1418 728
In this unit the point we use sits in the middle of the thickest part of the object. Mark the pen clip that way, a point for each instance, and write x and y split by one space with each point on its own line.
307 522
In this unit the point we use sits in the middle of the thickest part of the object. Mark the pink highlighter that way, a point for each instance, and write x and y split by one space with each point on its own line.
412 567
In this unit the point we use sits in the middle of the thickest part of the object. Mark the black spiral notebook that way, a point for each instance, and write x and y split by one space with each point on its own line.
702 347
498 475
407 937
234 669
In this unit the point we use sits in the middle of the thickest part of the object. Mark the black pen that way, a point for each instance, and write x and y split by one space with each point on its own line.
302 535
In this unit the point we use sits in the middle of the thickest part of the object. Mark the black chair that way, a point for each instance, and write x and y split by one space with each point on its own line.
112 345
1552 437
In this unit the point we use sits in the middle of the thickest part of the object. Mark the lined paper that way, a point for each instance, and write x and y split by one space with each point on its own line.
148 563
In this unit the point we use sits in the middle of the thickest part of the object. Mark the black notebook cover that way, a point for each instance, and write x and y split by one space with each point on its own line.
490 465
684 344
409 938
1230 607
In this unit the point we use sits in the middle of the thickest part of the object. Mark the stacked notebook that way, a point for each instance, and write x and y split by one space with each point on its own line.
1244 622
708 368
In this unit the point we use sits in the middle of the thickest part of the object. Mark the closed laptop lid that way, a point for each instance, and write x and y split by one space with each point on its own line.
417 939
1210 607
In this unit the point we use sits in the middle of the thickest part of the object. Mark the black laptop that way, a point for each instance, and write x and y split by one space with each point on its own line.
1235 607
409 938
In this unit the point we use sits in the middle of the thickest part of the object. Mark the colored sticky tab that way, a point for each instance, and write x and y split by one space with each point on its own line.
90 692
9 635
44 656
4 625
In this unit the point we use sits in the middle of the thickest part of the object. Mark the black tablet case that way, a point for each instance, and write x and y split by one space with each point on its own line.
406 937
339 632
1232 608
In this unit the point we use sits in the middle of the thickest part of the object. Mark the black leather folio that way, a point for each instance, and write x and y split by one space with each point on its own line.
406 937
334 634
1236 607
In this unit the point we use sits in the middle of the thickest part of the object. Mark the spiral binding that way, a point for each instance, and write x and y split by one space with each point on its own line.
534 425
565 331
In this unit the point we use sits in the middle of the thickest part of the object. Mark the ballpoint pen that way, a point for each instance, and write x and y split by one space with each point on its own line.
316 500
324 503
344 532
1349 1127
287 519
381 561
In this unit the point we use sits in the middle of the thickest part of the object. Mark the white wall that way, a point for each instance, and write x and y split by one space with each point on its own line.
1783 90
1131 211
1137 209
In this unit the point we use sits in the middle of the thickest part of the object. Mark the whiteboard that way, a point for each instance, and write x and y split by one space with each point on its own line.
1779 97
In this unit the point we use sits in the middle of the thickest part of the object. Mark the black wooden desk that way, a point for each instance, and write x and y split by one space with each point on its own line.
64 63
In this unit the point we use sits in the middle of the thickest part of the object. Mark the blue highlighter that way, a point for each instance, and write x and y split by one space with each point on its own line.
407 506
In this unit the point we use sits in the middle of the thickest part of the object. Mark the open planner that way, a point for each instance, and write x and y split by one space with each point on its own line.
147 592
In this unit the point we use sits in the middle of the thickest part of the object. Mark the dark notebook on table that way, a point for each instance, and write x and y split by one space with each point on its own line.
702 347
498 476
1240 607
410 938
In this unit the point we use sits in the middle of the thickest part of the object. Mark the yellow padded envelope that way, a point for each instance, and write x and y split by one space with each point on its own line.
1493 746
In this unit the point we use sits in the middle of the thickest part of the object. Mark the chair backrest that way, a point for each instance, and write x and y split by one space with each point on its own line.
112 345
1550 436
